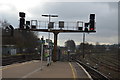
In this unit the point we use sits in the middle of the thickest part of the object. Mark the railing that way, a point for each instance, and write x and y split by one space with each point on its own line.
68 25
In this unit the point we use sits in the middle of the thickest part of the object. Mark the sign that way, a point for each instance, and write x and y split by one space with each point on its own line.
41 41
48 41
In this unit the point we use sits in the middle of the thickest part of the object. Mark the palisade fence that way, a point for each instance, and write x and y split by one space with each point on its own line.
19 58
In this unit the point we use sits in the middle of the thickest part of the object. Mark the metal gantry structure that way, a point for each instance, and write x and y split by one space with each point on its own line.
57 27
49 28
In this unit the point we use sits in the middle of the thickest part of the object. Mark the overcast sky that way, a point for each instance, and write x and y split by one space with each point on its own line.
106 17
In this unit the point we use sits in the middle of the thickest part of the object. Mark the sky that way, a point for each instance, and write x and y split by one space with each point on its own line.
106 17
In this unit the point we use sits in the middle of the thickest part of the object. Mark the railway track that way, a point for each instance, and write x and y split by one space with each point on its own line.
113 61
96 75
113 67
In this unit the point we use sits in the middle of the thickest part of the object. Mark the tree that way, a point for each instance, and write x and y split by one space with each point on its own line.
21 39
70 44
88 48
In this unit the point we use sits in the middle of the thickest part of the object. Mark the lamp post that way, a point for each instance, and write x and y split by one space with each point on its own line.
49 16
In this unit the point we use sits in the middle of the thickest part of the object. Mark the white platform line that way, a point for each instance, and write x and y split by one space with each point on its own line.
85 71
32 72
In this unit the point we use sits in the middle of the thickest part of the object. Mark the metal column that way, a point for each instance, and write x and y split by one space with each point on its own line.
55 47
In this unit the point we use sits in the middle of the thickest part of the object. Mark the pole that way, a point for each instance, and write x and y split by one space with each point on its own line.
49 61
68 55
41 52
55 47
83 44
49 18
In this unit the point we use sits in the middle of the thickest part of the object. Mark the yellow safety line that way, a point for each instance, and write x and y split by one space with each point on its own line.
74 76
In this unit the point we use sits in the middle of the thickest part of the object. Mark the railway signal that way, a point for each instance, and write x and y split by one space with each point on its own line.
61 24
92 22
33 24
22 20
86 27
50 25
80 25
27 24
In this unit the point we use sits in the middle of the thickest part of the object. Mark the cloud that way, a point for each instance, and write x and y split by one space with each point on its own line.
9 12
106 17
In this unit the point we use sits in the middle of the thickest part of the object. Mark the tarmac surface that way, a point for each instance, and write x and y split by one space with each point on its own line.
34 69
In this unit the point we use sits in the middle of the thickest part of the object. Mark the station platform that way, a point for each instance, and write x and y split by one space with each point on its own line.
34 69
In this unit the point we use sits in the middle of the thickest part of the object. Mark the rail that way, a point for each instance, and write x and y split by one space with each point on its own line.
96 75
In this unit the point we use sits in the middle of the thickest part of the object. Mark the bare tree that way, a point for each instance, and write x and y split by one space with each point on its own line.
21 39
